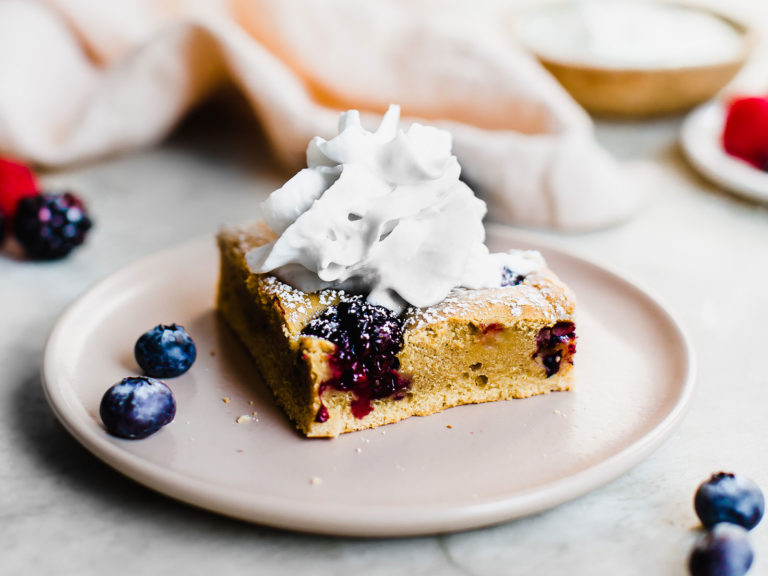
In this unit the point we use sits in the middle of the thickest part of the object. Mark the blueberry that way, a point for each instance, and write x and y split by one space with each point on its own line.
724 551
165 351
136 407
730 498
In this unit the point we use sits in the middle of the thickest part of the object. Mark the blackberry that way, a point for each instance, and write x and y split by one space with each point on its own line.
50 226
368 339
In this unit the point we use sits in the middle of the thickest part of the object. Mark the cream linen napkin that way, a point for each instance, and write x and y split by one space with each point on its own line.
81 79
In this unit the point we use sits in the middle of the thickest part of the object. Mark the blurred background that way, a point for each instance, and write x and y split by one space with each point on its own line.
628 132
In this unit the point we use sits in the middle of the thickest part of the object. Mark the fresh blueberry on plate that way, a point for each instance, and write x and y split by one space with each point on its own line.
727 497
137 407
724 551
165 351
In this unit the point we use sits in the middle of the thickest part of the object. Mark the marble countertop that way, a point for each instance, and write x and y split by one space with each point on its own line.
64 512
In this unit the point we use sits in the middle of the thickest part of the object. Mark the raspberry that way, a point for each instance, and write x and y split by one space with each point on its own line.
50 226
17 181
746 130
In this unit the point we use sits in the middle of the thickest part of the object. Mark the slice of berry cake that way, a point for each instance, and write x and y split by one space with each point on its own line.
337 363
368 294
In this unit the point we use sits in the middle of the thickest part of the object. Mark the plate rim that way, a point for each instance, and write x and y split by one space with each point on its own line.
386 522
692 152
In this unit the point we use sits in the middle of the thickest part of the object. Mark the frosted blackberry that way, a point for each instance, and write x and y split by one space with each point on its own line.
50 226
368 339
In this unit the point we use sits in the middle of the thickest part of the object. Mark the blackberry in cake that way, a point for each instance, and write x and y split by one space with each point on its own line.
368 296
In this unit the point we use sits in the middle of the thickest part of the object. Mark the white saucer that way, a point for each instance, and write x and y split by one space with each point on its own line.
700 138
466 467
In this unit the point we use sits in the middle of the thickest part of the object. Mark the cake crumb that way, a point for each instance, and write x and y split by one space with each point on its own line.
315 480
244 418
225 399
254 414
239 450
213 352
250 402
448 426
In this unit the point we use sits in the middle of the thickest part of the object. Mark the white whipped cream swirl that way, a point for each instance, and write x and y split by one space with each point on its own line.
383 213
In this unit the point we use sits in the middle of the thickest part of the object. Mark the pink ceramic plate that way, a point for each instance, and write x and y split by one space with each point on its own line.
467 467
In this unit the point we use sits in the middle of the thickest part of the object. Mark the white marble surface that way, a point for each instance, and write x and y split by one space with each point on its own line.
64 512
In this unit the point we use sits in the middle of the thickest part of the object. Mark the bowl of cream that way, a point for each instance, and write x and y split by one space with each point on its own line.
634 58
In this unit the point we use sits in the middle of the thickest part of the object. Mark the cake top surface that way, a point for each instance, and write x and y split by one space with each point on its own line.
385 214
541 295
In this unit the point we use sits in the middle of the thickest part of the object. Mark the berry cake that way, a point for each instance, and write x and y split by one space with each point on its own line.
367 294
336 363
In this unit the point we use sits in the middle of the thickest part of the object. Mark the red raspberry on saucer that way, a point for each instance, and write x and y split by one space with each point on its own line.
746 130
17 181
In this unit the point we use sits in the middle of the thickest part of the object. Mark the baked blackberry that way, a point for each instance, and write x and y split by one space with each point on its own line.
555 345
49 226
368 339
511 278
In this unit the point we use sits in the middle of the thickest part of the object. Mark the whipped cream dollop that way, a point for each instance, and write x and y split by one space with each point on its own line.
383 213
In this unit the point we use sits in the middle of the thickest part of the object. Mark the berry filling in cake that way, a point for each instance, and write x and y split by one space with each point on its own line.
555 345
368 339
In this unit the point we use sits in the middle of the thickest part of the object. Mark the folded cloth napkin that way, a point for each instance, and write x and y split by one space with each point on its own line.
80 79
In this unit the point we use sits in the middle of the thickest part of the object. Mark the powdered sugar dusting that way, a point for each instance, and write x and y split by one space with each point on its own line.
510 301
